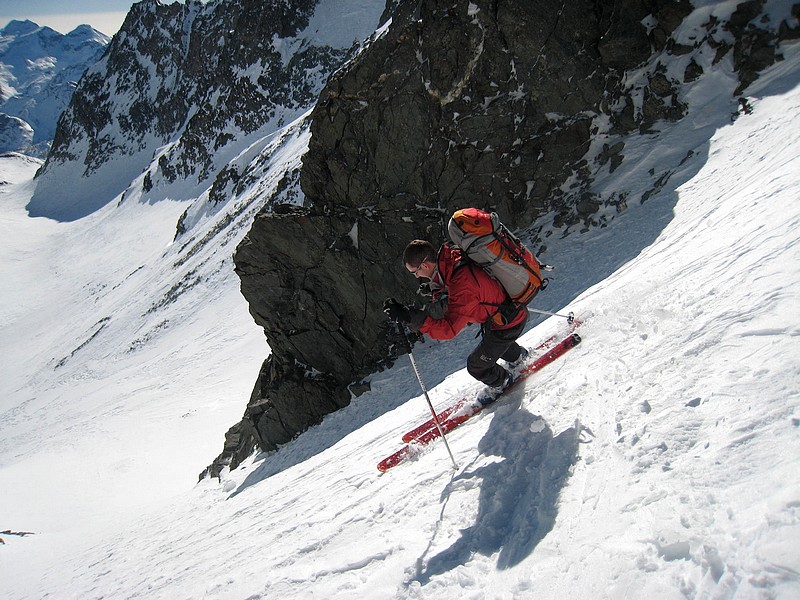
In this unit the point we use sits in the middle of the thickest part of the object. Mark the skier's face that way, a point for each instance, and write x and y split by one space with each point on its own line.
423 271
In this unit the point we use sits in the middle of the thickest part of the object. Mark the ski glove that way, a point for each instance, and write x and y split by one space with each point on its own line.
413 317
396 311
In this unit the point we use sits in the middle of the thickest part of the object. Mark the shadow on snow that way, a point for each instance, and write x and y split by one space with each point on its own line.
519 494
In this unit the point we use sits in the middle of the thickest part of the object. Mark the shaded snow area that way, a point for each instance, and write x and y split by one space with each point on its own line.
336 24
658 459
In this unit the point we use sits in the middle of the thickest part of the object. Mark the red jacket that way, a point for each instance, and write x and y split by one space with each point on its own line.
473 297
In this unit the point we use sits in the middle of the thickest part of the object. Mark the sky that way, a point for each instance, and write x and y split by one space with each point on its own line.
106 16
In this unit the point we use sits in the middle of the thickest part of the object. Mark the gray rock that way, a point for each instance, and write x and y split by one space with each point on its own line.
197 76
460 103
452 107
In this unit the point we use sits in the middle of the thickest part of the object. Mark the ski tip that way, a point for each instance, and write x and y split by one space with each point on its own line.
389 462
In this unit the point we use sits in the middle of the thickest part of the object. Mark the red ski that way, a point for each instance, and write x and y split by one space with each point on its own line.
466 408
460 405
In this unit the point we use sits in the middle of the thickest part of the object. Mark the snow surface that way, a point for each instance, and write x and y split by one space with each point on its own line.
658 459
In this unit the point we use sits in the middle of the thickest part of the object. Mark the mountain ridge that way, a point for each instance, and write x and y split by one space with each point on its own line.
180 112
39 69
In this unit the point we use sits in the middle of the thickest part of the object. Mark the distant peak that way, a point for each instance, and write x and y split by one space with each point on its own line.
19 27
82 30
89 32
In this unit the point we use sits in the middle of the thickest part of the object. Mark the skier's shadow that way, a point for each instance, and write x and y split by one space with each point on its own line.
518 497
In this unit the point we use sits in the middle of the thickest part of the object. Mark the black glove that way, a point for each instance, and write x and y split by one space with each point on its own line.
396 311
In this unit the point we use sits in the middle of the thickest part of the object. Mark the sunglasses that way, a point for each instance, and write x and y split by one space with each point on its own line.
418 267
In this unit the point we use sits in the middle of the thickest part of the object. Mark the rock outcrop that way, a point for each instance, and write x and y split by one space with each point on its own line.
15 134
492 104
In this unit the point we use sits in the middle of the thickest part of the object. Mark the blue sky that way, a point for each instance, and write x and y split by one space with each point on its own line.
65 15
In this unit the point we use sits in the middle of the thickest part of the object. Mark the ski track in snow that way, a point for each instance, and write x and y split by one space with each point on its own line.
658 459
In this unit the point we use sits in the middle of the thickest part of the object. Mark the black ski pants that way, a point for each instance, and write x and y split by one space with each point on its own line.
495 344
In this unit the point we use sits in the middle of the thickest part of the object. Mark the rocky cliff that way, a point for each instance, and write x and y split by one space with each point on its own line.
513 106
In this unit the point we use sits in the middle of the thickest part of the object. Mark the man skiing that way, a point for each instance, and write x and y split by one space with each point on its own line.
462 293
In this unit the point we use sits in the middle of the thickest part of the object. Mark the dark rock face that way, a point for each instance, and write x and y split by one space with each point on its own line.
322 314
755 48
315 281
459 103
488 103
453 108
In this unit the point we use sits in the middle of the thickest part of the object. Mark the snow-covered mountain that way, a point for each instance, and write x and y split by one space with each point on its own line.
659 459
518 107
39 70
185 99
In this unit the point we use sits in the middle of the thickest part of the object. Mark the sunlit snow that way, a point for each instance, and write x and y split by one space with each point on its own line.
658 459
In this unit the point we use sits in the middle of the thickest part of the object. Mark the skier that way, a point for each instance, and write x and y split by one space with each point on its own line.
460 293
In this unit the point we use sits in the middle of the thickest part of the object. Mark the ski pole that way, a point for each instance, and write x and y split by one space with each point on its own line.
425 392
570 317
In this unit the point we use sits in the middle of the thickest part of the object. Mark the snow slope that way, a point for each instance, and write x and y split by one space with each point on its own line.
658 459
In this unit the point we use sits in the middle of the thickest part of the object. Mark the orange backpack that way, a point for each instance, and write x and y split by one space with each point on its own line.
489 244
